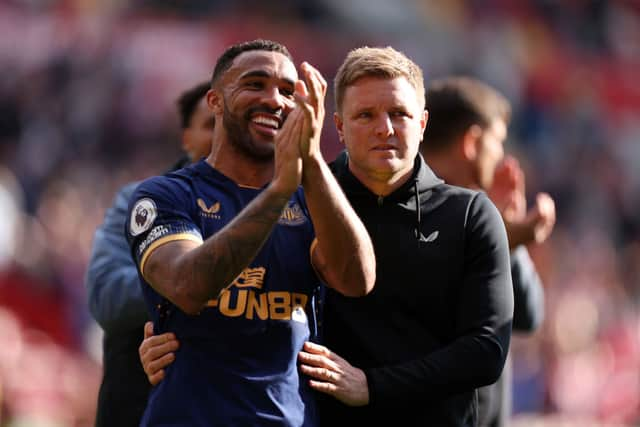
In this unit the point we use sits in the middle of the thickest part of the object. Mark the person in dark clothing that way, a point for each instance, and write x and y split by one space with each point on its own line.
463 144
114 293
437 324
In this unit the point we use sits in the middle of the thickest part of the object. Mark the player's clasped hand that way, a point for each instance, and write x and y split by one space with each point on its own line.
333 375
310 94
156 353
288 163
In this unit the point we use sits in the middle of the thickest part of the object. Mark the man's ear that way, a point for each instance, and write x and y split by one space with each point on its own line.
215 101
471 142
423 123
339 123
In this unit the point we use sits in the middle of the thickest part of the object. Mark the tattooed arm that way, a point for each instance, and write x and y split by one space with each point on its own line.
189 273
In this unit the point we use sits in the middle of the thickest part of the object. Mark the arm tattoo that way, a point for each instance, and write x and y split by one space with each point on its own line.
222 257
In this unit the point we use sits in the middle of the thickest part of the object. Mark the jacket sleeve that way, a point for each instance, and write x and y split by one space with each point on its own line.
528 293
113 287
483 313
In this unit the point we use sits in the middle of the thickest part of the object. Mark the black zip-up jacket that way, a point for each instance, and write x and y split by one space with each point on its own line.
438 322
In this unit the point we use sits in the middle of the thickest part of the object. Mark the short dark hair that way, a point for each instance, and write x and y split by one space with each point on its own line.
226 59
456 103
188 101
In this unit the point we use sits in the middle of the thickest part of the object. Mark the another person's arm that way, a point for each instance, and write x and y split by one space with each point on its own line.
523 228
156 353
528 293
112 281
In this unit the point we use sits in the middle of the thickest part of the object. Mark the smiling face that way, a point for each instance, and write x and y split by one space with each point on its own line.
381 123
256 97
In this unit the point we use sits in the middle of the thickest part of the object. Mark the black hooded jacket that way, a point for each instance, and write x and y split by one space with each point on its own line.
437 324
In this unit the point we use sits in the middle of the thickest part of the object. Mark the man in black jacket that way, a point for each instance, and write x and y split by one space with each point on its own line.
463 144
437 325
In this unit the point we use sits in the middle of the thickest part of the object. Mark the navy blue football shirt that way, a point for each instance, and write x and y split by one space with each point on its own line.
236 364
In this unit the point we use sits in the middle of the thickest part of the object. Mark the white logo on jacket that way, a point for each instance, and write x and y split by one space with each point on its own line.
432 237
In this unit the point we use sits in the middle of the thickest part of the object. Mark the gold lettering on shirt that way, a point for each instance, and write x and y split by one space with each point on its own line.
250 278
257 305
237 301
225 304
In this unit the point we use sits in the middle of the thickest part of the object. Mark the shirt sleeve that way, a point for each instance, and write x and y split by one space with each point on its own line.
528 293
113 286
158 214
483 319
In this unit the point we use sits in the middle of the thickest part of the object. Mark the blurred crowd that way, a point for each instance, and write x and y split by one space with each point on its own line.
87 104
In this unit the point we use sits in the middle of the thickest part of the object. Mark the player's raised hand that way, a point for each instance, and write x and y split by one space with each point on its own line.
542 216
310 95
288 163
508 190
508 194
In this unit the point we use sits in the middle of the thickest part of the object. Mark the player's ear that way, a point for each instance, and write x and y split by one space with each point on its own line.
471 142
339 124
423 123
215 101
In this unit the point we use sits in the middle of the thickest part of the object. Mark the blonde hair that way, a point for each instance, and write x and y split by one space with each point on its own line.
386 63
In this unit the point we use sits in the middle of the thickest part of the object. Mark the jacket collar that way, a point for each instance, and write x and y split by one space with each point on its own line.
423 179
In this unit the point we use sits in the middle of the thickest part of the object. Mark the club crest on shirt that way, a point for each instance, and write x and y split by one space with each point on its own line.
143 214
250 278
292 215
208 211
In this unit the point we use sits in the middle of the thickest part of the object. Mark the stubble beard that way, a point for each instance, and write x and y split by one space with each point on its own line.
239 136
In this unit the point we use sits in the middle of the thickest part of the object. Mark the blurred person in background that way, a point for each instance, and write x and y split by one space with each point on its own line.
464 145
232 253
437 324
113 286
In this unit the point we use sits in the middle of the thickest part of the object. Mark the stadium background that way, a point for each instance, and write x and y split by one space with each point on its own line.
86 104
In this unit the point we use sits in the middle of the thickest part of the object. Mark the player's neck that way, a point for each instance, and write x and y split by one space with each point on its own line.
239 167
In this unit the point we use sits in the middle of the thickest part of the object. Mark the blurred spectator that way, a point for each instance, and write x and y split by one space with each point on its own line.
464 145
44 379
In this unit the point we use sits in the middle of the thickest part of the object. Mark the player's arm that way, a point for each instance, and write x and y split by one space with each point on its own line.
528 292
523 228
344 255
112 281
189 274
